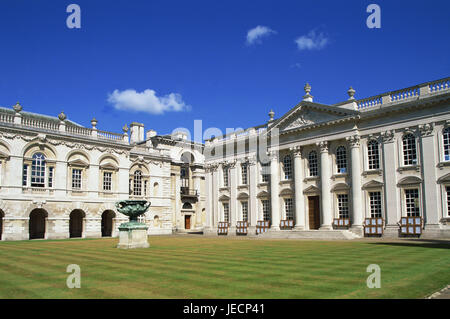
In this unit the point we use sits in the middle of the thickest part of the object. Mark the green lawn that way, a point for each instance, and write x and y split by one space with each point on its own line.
202 267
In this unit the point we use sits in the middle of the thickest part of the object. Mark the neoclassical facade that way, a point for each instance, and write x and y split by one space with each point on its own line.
318 171
319 167
59 179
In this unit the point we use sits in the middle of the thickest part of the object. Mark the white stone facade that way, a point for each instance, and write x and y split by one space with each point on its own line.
59 179
386 156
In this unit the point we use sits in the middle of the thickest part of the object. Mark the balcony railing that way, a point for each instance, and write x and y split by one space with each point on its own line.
188 192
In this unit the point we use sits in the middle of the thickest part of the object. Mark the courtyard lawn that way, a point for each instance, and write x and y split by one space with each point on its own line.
209 267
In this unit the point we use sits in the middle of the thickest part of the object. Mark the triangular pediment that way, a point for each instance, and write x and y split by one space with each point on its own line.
410 180
372 184
311 190
444 179
78 162
309 114
109 166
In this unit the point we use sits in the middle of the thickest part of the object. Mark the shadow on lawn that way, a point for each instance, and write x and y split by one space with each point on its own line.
426 243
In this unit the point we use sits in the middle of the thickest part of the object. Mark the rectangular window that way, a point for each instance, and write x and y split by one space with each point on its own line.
448 200
265 172
373 154
107 181
50 177
343 205
288 208
25 175
244 171
225 177
287 167
145 188
313 164
375 204
226 212
266 209
412 202
244 209
76 178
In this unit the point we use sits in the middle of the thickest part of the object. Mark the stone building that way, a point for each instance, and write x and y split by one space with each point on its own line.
59 179
387 156
302 175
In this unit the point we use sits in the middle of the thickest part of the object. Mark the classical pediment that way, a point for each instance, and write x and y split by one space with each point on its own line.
311 190
307 117
340 187
78 162
410 180
372 184
444 179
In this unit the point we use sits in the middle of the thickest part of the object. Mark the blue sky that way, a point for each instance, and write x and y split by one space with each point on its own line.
192 58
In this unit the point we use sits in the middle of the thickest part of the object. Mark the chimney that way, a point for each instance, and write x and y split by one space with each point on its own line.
137 132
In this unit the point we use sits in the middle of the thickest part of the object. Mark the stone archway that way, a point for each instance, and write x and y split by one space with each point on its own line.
76 223
2 215
37 223
107 223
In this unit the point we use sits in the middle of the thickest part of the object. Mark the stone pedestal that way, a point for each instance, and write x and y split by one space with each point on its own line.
133 235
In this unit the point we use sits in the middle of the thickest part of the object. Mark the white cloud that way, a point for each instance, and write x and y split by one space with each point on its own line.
147 101
257 33
312 41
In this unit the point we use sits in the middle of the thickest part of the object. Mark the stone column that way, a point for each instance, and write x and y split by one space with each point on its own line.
274 191
298 186
253 189
356 181
208 199
198 207
390 181
430 190
233 175
215 196
325 175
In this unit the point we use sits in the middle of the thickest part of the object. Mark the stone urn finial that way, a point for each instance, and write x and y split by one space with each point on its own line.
17 107
62 116
308 97
271 115
351 93
94 122
125 128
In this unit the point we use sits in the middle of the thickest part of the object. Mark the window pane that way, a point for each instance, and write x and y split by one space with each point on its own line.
38 170
287 167
288 207
76 178
341 159
446 135
244 208
373 155
107 181
137 183
409 150
266 209
412 202
313 165
343 205
375 204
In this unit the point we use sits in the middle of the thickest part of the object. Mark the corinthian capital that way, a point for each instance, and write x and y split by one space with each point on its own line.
354 140
387 136
323 146
426 129
296 150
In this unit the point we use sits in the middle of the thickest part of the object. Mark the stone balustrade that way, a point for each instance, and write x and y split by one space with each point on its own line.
412 92
27 120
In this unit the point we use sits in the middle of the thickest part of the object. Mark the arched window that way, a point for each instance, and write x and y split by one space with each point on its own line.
287 167
137 183
409 150
38 170
312 163
341 159
373 154
446 135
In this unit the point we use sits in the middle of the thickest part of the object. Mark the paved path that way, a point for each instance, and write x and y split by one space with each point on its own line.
442 294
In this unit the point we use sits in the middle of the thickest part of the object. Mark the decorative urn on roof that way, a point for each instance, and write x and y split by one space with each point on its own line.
94 122
17 107
351 93
62 116
133 234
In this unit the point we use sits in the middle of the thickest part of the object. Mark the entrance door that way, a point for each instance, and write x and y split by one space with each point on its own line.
107 223
314 212
37 224
187 221
75 224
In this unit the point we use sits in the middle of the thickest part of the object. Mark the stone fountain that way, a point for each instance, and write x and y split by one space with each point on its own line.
133 234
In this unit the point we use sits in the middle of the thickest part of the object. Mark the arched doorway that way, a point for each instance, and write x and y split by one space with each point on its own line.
2 215
107 223
76 223
37 223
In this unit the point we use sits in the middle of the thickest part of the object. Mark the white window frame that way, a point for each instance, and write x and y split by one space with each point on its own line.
446 137
338 205
265 214
244 210
289 208
402 148
244 174
315 166
287 167
404 204
378 155
226 212
107 182
340 161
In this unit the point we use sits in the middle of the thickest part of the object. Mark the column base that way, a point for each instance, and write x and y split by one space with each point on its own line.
299 227
276 228
326 227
